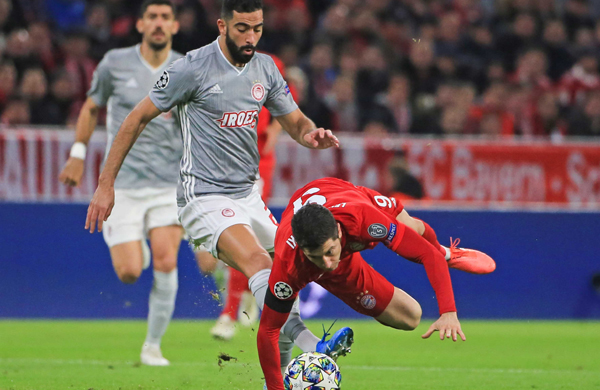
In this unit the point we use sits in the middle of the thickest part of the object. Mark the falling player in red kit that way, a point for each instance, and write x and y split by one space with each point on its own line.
321 232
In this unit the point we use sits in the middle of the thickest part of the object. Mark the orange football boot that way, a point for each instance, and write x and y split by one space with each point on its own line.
469 260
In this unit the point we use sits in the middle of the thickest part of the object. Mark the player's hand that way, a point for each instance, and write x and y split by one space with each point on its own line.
448 326
72 172
100 207
321 139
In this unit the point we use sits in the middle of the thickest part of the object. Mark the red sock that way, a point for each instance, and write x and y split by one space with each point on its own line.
430 236
238 283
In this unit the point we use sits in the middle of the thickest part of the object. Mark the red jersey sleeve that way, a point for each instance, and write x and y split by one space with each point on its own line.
279 300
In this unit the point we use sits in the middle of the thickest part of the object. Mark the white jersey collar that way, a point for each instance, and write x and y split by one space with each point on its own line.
152 69
238 70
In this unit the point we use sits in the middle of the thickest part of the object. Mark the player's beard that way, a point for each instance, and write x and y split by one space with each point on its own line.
156 46
237 53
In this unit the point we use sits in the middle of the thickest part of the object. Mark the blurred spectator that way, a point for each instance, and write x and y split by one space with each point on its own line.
522 34
586 121
372 77
453 121
321 73
393 107
98 30
557 51
577 15
34 89
61 109
532 66
342 104
41 45
420 68
448 35
19 50
579 80
16 112
428 111
313 108
491 116
78 63
8 81
194 30
544 118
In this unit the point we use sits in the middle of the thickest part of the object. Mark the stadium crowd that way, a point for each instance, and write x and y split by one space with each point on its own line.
504 67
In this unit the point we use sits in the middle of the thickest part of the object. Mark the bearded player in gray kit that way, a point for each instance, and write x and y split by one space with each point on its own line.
145 189
219 90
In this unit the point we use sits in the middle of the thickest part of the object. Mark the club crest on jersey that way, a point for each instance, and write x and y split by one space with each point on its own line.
377 231
258 92
163 81
283 290
228 213
238 119
368 301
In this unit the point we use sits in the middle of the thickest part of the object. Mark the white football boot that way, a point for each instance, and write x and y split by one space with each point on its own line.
224 329
152 356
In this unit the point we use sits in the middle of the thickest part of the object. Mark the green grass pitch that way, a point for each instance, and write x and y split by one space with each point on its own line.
44 355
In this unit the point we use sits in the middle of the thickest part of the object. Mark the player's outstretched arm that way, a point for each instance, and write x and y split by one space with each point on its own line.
104 197
86 123
305 132
448 326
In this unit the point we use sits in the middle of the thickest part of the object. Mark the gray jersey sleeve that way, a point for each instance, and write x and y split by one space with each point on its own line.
279 100
102 86
176 85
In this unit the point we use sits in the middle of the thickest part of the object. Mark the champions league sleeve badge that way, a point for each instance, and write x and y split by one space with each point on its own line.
163 81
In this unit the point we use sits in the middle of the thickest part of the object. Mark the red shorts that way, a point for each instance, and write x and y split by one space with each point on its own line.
359 286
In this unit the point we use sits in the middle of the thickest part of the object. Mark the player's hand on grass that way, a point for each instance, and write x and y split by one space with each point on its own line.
100 207
321 139
72 172
448 326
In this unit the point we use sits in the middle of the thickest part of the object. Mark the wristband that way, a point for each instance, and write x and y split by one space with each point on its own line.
78 150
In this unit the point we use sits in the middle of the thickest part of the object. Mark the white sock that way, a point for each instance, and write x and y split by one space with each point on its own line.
161 305
294 327
448 255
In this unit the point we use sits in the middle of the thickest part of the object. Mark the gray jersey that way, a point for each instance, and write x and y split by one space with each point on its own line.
218 106
123 78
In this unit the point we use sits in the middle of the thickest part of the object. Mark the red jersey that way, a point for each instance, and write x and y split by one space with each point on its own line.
367 218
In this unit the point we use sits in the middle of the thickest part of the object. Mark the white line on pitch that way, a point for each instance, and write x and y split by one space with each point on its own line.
343 366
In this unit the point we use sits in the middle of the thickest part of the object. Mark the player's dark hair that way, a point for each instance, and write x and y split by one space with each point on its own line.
313 225
148 3
242 6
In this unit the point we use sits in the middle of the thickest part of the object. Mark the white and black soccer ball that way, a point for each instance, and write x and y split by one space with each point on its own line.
312 371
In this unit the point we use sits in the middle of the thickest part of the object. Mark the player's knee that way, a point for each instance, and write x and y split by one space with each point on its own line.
128 275
165 263
254 262
413 318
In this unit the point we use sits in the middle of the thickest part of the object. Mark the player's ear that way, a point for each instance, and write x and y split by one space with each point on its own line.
339 230
175 28
139 25
222 26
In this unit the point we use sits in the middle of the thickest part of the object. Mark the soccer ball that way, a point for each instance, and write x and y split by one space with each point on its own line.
312 371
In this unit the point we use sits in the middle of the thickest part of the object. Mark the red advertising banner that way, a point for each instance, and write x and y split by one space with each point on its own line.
473 172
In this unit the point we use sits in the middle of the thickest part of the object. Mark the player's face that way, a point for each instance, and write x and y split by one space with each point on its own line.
158 25
242 33
328 256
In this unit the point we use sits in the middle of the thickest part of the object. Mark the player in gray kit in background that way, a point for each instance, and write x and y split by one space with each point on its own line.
218 91
145 189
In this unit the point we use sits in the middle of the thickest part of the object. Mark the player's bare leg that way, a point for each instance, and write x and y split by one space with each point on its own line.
403 312
467 260
128 261
164 242
206 262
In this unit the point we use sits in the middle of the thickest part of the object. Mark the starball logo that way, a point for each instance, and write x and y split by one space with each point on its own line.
238 119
